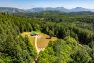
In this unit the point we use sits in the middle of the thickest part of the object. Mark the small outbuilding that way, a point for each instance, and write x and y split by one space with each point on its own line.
33 33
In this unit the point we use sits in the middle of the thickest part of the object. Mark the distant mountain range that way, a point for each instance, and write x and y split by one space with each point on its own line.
62 9
77 9
11 10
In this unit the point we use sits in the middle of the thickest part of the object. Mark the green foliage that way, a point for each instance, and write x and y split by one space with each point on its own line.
15 49
51 33
65 51
81 56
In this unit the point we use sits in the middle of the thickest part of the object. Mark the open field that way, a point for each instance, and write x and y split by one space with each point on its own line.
42 40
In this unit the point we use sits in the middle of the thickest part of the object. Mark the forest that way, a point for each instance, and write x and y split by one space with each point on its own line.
75 33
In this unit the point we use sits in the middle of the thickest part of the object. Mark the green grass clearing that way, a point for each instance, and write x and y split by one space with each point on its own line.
43 39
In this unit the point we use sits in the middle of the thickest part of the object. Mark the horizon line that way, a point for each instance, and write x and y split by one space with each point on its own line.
47 7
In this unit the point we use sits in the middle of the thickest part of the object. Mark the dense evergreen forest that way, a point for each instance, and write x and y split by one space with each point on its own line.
75 33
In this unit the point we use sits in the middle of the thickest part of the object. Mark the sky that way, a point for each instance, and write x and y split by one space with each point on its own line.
27 4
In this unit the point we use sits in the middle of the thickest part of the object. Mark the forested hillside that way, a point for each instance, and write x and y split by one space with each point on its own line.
75 35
